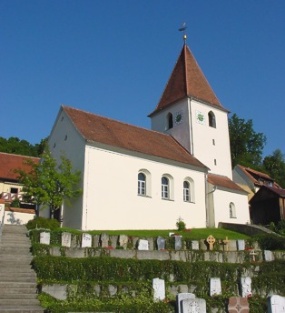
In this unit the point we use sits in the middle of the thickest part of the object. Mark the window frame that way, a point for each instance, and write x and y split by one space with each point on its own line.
212 119
232 210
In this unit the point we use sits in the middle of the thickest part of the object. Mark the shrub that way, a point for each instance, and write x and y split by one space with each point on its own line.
41 222
180 224
271 242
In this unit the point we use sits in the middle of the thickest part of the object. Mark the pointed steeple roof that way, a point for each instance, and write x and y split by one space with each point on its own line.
187 80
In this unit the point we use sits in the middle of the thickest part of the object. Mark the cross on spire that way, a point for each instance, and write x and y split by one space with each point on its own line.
183 29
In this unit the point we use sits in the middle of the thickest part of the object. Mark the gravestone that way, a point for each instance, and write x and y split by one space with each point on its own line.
183 296
245 283
158 286
104 240
240 245
86 241
195 245
193 306
238 305
66 239
211 240
215 286
45 238
143 245
268 256
276 304
178 242
123 241
253 254
225 243
160 243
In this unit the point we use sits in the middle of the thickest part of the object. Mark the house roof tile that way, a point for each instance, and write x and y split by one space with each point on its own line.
10 162
224 182
187 80
254 176
103 130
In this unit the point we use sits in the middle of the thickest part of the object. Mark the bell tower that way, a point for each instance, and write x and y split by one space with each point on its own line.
190 111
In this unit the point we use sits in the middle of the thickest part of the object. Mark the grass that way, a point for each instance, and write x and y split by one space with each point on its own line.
194 234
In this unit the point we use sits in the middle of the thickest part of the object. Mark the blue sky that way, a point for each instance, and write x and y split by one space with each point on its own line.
113 58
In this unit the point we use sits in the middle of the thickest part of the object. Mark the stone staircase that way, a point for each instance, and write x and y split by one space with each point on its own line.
18 288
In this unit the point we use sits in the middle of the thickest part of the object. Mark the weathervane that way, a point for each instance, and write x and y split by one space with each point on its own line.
183 29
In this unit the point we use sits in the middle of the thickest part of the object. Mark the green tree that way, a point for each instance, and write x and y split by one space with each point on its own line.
15 145
48 183
275 166
246 145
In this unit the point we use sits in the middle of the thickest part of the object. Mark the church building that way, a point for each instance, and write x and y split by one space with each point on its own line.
135 178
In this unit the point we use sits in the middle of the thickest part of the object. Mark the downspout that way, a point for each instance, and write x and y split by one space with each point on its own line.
210 215
191 149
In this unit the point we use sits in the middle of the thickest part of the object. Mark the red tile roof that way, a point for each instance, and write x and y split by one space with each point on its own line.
279 191
224 182
103 130
187 80
10 162
254 175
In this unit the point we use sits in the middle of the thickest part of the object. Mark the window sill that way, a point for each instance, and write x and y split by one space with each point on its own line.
144 196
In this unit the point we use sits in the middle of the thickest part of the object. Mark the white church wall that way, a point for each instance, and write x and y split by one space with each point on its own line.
111 198
230 207
65 140
211 144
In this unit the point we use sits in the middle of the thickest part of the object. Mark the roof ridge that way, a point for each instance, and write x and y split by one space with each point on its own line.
118 121
19 155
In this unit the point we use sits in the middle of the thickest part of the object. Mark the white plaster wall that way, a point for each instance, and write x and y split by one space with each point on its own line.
65 140
17 218
180 131
222 200
203 136
111 200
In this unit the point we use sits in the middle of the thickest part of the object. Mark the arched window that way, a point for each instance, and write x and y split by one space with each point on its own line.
164 188
144 183
141 184
188 190
232 210
212 119
169 121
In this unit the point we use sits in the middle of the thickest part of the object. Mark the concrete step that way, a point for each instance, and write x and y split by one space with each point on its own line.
17 296
18 287
11 257
15 309
22 277
23 301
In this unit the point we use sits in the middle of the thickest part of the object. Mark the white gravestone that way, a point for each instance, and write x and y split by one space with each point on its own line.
123 241
178 242
194 306
104 240
268 256
160 243
158 286
245 287
183 296
86 241
276 304
143 244
45 238
241 245
66 239
195 245
215 286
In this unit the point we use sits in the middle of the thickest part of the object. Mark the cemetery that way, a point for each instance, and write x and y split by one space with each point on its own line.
107 273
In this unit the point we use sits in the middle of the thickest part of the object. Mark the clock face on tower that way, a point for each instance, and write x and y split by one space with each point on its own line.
178 118
200 118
